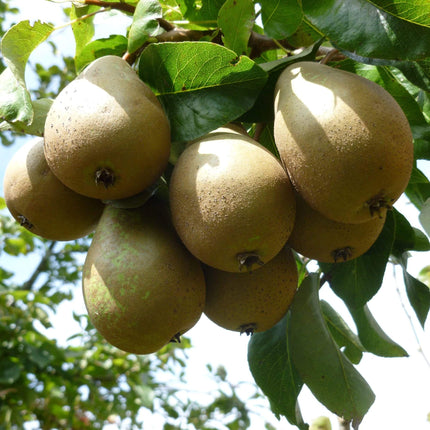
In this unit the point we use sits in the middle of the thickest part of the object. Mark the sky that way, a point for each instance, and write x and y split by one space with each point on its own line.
401 385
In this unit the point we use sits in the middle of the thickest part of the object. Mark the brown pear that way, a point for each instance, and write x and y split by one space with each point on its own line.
106 134
344 140
41 203
253 301
316 237
232 203
141 286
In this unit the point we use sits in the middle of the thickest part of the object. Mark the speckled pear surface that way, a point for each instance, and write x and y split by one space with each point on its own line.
141 287
344 140
106 134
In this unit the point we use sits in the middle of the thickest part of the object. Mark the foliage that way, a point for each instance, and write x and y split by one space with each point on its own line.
218 66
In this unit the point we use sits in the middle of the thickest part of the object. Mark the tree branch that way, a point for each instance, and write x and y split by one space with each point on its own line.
113 5
28 285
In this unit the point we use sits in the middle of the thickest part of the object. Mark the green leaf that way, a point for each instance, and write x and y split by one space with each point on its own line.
357 281
115 44
9 371
418 295
15 101
83 29
15 246
416 11
37 125
342 334
145 23
201 85
263 110
421 150
19 42
236 19
407 238
371 335
421 242
280 18
418 193
359 27
16 46
424 216
203 12
269 359
330 376
38 355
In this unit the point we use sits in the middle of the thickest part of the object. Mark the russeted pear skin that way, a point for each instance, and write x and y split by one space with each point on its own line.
106 134
252 301
232 203
344 140
142 288
316 237
41 203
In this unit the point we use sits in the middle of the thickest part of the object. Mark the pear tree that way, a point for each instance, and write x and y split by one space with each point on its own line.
210 63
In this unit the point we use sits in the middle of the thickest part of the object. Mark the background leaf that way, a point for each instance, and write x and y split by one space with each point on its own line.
416 11
342 334
418 295
16 46
83 29
201 85
358 26
37 125
15 100
424 216
280 18
357 281
115 44
322 366
145 23
371 335
19 42
236 19
269 359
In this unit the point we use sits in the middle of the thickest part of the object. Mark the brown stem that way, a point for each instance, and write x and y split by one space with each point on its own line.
260 43
175 35
113 5
259 128
330 54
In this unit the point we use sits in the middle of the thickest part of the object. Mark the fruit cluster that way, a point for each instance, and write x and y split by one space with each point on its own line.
223 244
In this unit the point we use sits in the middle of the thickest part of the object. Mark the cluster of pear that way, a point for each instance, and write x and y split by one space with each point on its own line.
222 244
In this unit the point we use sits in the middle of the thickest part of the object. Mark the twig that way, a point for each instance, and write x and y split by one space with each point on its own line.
259 128
29 284
112 5
329 54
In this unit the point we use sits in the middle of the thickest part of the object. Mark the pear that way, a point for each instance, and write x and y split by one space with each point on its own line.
344 141
41 203
316 237
321 423
106 134
232 203
142 288
252 301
